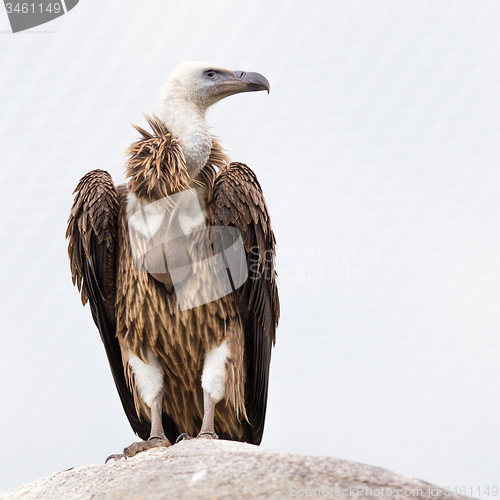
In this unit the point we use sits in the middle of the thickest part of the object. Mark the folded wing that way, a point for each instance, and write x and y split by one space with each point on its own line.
239 202
92 247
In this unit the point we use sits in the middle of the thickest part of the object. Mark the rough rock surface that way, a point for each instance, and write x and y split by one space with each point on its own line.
206 469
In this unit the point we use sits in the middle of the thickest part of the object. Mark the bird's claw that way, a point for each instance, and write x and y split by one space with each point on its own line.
114 456
134 448
201 435
183 436
207 435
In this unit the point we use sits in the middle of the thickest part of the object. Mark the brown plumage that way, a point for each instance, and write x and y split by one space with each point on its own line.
136 313
156 167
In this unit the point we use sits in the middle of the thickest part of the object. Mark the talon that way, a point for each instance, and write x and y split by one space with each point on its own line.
125 453
212 435
115 456
181 437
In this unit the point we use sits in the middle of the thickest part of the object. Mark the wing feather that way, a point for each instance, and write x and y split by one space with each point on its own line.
239 202
92 245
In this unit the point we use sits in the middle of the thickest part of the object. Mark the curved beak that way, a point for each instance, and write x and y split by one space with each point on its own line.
236 82
252 81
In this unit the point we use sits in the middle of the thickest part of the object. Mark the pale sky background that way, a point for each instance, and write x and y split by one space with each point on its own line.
379 154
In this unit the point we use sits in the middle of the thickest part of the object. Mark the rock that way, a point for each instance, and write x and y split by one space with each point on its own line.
216 469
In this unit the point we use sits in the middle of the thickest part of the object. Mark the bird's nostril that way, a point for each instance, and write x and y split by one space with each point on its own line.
240 74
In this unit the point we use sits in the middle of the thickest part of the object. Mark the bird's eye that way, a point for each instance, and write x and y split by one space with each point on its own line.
210 73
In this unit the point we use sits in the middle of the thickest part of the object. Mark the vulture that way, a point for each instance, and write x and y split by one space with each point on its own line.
177 265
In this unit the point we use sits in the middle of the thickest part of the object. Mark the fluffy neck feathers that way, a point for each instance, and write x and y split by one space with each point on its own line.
156 167
186 121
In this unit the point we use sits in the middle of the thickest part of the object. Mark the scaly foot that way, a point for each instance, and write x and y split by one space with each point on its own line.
201 435
207 435
134 448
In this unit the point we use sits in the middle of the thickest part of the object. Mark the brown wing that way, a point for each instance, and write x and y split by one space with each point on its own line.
92 245
239 202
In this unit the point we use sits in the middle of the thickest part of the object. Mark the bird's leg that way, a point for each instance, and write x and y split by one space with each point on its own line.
207 430
156 420
157 438
207 426
213 383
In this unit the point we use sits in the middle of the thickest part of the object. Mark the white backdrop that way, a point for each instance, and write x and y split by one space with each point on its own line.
378 153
